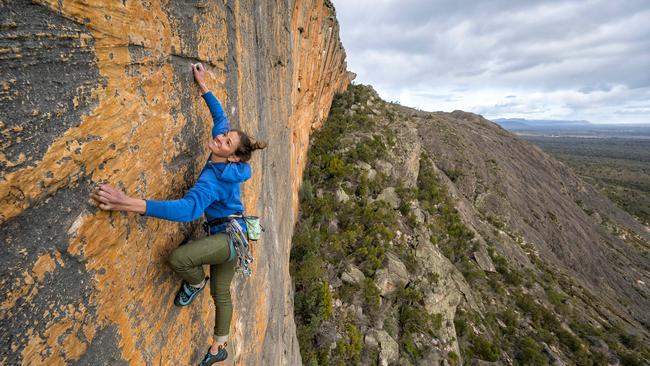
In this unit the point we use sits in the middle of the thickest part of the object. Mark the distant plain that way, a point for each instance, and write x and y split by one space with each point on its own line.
615 158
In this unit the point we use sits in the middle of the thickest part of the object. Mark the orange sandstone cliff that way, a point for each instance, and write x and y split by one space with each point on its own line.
101 91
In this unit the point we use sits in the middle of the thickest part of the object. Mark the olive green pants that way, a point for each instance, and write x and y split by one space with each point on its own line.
188 260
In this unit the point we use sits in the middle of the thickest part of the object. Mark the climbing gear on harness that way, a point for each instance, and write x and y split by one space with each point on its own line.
238 240
210 358
187 293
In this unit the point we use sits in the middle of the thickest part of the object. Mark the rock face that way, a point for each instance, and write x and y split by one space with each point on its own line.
102 92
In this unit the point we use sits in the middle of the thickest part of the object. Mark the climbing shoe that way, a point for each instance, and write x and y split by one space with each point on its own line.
210 358
187 293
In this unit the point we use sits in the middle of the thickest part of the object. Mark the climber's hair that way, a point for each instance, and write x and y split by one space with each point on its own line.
247 145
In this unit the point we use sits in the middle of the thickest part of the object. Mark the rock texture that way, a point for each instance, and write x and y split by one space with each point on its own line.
102 92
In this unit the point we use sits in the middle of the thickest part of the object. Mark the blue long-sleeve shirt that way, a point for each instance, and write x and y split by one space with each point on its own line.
216 193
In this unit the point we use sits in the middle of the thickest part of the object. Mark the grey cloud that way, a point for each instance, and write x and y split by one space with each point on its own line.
593 88
518 47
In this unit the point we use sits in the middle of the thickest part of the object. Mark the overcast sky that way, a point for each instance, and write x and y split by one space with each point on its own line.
504 58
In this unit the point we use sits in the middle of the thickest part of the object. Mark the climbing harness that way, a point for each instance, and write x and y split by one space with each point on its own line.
254 228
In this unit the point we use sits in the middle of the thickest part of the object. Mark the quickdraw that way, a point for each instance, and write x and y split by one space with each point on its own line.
238 240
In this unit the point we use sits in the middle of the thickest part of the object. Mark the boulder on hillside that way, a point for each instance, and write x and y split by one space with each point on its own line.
352 275
370 172
370 340
341 196
392 275
384 167
389 195
363 165
355 310
426 251
388 348
404 361
333 227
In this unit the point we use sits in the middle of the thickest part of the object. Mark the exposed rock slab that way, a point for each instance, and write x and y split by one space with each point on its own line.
392 275
388 348
544 216
353 275
483 260
389 195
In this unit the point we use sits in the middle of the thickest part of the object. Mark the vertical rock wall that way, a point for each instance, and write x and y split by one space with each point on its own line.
102 92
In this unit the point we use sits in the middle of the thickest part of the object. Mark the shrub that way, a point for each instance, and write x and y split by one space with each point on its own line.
528 352
630 359
453 358
454 174
630 341
433 278
496 285
469 270
409 346
371 296
414 318
436 321
348 349
390 326
460 324
335 167
509 318
484 349
511 277
555 297
569 340
306 192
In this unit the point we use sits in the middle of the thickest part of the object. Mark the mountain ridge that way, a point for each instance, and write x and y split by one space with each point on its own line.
520 123
534 264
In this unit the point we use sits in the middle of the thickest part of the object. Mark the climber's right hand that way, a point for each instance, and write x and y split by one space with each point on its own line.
199 76
110 198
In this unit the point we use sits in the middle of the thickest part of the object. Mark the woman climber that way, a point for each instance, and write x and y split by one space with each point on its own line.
216 193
